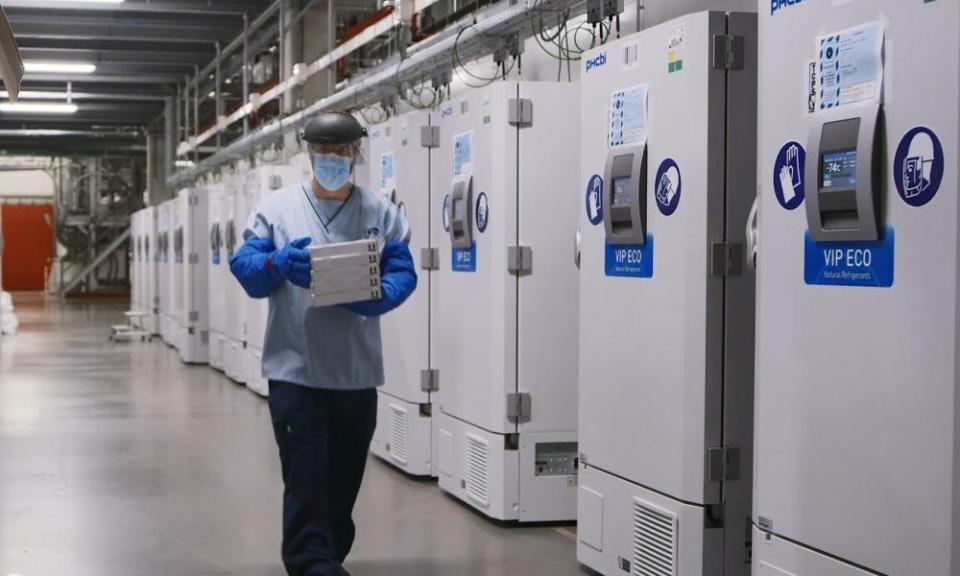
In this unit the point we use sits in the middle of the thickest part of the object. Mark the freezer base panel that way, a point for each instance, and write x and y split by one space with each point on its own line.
233 365
623 528
530 477
217 346
192 345
253 368
404 436
774 556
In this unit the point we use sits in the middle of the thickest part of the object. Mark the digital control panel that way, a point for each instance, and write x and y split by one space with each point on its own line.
625 204
845 204
461 213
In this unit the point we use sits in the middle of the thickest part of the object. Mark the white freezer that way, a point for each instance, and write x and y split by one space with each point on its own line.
149 273
190 274
230 342
400 162
218 274
858 410
666 302
165 280
258 184
506 346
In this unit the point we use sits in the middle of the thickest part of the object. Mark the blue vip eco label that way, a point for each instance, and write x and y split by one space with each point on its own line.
858 264
788 171
464 259
482 212
594 199
629 260
918 166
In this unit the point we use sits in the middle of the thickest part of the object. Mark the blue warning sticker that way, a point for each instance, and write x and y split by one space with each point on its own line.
629 260
483 212
918 166
859 264
669 186
464 259
594 199
788 175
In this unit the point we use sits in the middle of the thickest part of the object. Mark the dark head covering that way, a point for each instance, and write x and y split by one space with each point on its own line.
333 128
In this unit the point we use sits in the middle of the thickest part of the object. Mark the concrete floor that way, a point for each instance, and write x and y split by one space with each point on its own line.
117 460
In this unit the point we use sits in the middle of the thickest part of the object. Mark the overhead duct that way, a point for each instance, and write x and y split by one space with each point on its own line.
11 65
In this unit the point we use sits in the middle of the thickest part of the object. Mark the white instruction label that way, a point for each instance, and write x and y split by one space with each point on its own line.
463 153
387 175
628 116
850 66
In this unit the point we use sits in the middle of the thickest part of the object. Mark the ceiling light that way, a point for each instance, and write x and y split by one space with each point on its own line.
36 95
184 164
37 108
96 1
60 67
228 81
212 94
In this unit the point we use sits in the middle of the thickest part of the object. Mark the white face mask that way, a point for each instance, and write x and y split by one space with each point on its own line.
331 171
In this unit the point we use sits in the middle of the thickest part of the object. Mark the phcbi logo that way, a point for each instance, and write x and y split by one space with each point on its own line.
597 61
448 111
776 5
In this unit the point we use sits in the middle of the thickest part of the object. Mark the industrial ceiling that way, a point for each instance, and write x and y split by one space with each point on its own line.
141 51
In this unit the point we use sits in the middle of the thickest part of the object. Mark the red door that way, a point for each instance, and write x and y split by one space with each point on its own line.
27 245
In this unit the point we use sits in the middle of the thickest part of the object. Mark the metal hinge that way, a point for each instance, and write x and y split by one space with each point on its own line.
194 258
726 259
429 259
520 112
519 260
194 316
518 407
430 136
156 300
276 182
430 380
205 337
194 200
723 464
728 52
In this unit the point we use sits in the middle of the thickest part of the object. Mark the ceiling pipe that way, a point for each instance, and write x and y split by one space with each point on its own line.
432 55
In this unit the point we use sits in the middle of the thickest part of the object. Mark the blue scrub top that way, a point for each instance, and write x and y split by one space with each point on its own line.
322 347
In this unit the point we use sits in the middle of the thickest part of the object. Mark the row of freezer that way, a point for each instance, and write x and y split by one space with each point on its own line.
704 301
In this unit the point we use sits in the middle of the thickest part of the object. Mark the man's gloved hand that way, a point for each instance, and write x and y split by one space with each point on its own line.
398 280
292 262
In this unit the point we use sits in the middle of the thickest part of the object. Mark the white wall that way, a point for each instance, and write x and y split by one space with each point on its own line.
33 185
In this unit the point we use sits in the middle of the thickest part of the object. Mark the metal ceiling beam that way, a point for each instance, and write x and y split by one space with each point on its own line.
45 133
106 79
124 56
113 45
82 27
212 7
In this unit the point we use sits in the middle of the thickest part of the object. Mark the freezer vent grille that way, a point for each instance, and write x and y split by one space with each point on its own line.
654 540
478 457
398 433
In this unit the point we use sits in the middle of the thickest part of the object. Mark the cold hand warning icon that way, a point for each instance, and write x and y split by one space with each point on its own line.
594 199
791 176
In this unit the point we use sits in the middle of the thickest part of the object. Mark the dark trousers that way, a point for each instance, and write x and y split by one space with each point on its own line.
323 436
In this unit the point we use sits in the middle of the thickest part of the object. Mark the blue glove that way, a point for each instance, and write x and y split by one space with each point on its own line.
292 262
261 268
398 280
